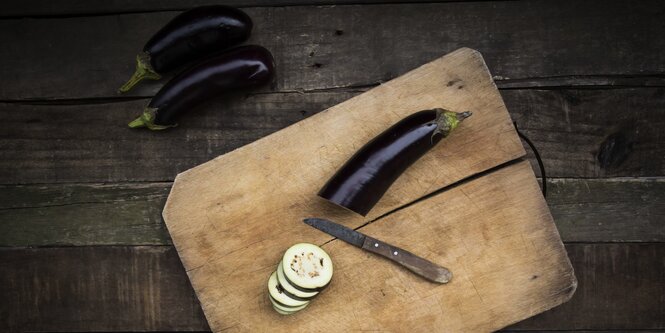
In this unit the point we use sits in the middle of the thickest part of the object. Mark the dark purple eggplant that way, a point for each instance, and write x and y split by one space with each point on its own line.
190 36
240 68
362 180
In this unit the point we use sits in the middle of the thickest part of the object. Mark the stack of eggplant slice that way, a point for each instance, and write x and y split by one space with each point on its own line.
305 270
200 37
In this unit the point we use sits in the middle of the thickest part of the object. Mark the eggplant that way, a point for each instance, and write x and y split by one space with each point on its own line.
275 292
239 68
310 270
189 37
285 313
282 307
307 267
366 176
289 289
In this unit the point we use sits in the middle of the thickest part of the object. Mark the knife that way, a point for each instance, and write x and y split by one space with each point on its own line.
416 264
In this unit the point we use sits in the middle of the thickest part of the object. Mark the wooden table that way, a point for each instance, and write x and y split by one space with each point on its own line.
84 247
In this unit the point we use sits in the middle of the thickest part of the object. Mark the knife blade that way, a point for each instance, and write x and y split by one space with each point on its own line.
414 263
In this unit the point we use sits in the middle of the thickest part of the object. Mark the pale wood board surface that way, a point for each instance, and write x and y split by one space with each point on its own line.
232 218
496 235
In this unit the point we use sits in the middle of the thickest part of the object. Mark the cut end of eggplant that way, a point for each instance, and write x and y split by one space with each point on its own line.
147 119
307 267
143 71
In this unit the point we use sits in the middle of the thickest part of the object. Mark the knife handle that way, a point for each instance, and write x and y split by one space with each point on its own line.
414 263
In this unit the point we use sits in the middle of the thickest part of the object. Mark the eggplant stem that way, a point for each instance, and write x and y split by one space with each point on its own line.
463 115
147 119
143 71
447 121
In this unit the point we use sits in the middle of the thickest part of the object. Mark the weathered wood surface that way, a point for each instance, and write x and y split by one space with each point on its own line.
39 8
83 214
91 143
584 210
225 221
618 210
146 289
637 302
96 289
594 133
342 46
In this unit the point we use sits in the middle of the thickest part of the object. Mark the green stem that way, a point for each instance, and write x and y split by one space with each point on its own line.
143 71
147 119
448 120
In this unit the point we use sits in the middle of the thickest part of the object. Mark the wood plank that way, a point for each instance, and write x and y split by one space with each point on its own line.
593 133
341 46
90 142
40 8
622 288
145 288
616 210
584 210
83 214
96 289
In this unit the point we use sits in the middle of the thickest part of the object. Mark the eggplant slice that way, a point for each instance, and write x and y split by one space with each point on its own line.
281 307
277 294
285 313
307 267
290 290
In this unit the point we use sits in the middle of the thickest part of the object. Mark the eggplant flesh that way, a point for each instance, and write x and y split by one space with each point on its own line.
190 36
290 290
311 266
276 293
307 267
366 176
243 67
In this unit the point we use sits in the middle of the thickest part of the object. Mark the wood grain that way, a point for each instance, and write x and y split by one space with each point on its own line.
618 210
632 286
40 8
342 46
484 231
83 214
96 289
593 133
584 210
91 143
145 288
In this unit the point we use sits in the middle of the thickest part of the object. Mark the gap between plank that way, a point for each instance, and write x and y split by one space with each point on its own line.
276 4
591 82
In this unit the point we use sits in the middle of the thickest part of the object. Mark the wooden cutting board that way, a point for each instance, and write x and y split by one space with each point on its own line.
232 218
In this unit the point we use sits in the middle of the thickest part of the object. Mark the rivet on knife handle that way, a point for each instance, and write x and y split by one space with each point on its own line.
418 265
